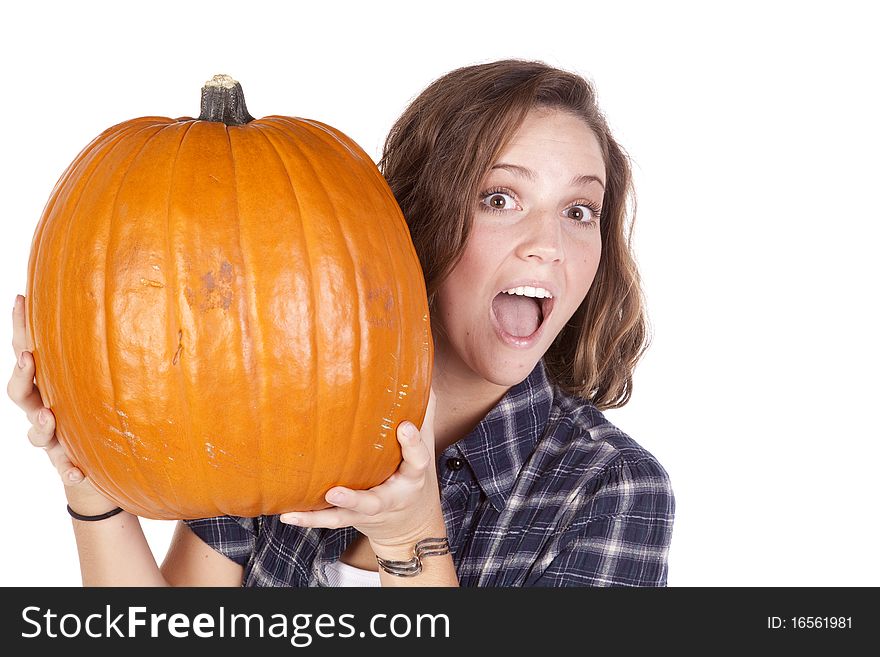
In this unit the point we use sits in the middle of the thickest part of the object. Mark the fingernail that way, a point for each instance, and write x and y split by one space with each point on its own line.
336 496
290 520
74 475
41 416
17 301
21 361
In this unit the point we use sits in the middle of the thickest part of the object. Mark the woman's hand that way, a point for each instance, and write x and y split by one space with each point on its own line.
21 389
398 512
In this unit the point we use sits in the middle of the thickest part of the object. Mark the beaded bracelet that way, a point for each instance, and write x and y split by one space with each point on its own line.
100 516
427 547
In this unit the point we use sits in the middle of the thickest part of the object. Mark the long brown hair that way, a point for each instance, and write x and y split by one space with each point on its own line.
437 154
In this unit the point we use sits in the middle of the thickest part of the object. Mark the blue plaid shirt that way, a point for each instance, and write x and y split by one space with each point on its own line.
543 492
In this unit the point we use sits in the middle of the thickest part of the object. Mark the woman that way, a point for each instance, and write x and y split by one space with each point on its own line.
516 196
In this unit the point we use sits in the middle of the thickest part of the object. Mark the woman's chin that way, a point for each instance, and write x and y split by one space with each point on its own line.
492 358
509 370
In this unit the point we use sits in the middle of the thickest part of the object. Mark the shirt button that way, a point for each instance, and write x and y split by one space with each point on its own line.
454 464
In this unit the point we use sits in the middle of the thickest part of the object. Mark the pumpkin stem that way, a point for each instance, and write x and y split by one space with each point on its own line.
223 101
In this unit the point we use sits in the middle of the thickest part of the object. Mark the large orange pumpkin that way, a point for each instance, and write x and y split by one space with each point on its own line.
227 314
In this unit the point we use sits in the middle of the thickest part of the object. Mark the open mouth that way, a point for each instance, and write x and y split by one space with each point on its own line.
521 316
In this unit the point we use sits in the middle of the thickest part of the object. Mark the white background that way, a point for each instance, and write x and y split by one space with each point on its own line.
754 132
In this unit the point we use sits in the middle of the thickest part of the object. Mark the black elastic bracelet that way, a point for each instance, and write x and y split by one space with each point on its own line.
102 516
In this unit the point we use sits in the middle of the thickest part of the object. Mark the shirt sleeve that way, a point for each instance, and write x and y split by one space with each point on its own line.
621 533
231 536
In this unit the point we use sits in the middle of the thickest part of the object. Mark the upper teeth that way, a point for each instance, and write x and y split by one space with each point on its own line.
529 291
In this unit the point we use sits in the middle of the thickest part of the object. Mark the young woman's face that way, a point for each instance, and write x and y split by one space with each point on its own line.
535 227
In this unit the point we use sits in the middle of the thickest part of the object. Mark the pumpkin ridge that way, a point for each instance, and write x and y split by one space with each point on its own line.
96 158
256 129
402 271
354 283
108 316
403 353
194 457
260 126
393 421
171 301
249 328
94 153
87 453
323 131
87 156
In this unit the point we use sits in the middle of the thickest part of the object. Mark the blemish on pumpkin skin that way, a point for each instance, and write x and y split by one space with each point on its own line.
379 302
151 283
213 452
112 444
132 439
179 348
216 289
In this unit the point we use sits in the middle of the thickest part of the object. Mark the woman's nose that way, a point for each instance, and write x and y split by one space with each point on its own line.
542 237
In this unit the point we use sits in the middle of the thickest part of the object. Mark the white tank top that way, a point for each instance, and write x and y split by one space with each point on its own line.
341 574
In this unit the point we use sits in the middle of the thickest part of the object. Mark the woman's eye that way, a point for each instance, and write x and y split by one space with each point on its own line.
499 201
581 213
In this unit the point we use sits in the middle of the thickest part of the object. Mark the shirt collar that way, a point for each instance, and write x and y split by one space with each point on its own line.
500 444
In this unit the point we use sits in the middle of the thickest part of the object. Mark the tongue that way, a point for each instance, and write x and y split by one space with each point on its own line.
517 315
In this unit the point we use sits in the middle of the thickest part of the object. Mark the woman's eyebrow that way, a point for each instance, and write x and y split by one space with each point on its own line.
518 170
586 180
530 175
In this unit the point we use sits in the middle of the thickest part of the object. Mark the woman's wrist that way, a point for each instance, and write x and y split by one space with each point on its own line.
402 549
95 517
413 566
425 560
88 502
